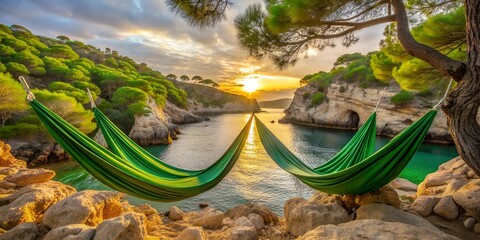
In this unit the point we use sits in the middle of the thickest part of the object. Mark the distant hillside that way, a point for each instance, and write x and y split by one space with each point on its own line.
282 103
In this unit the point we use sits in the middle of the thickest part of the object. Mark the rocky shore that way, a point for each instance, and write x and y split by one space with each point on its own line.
347 106
444 206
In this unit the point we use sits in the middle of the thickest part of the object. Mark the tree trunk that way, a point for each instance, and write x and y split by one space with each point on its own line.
462 104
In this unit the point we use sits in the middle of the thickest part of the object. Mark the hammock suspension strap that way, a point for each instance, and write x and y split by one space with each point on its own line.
380 99
30 96
436 107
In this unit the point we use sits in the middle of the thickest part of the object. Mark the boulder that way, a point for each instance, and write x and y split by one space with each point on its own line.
175 214
386 195
446 208
291 203
208 218
203 205
308 215
30 203
245 209
180 116
390 214
243 233
86 207
424 205
192 233
243 221
468 198
126 226
7 159
25 177
24 231
71 232
469 223
374 229
476 228
403 184
326 198
257 220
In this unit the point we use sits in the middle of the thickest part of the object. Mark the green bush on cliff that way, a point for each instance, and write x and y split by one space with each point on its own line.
402 97
318 98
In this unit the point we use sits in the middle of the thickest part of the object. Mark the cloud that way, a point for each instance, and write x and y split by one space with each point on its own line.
147 31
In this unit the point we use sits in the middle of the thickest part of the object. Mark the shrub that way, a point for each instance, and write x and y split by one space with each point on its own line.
342 89
402 97
306 95
318 98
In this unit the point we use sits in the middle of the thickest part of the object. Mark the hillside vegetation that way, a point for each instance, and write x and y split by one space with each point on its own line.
393 65
60 70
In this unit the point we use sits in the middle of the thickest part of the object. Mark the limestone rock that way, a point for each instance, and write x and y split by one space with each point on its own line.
390 214
71 232
326 198
307 216
192 233
37 153
292 203
153 219
208 218
29 203
243 233
468 198
175 214
24 231
243 221
86 207
446 208
26 177
469 223
203 205
424 205
257 220
349 109
476 228
151 128
7 159
180 116
126 226
403 184
245 209
386 195
370 229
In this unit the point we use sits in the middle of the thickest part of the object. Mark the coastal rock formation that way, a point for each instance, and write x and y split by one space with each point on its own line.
180 116
243 233
175 214
87 207
30 203
208 218
350 108
192 233
374 229
24 231
153 128
38 152
7 159
25 177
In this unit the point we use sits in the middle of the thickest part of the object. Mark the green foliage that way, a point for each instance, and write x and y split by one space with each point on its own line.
197 78
184 78
142 85
111 62
306 95
61 51
12 98
28 59
16 44
318 98
20 130
209 82
382 67
69 90
2 68
17 68
37 71
172 76
94 89
126 96
342 89
6 51
68 108
402 97
345 59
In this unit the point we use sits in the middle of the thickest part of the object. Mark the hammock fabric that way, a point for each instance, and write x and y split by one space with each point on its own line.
121 175
361 177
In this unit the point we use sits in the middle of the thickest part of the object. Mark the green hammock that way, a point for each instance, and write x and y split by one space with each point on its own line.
357 176
121 175
121 145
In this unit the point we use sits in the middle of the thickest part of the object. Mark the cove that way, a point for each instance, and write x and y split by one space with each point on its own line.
255 178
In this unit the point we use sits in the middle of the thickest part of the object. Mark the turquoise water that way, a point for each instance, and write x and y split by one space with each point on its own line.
255 178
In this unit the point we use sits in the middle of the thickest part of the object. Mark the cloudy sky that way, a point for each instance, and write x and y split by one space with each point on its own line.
147 31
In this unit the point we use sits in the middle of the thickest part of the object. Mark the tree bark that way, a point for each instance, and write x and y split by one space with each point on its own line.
462 104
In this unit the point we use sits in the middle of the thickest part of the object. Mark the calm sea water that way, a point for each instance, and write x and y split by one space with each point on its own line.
255 178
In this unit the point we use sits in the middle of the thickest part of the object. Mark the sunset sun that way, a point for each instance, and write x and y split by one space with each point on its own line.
250 85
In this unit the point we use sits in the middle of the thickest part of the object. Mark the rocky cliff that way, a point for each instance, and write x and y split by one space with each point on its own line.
204 100
347 106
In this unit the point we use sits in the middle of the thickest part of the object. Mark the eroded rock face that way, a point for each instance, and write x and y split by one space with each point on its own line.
71 232
373 229
309 215
351 108
245 209
7 159
180 116
386 195
208 218
446 208
30 203
468 197
86 207
424 205
175 214
243 233
390 214
37 153
125 226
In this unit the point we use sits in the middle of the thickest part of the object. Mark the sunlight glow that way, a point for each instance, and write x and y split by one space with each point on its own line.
250 85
